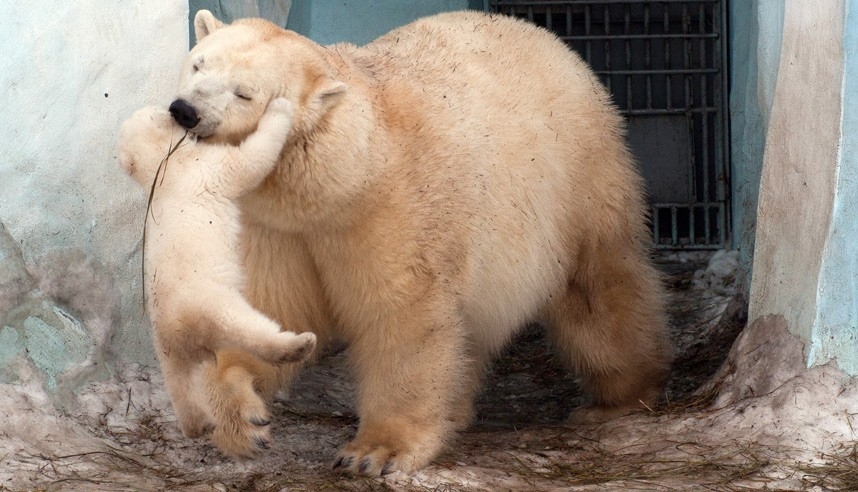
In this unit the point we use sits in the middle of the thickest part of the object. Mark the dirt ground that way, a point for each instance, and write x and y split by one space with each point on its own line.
122 435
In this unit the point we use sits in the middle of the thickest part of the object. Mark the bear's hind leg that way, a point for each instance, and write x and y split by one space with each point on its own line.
182 377
610 327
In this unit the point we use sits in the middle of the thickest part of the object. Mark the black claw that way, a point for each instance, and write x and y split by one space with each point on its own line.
347 462
364 465
262 443
387 468
338 463
260 422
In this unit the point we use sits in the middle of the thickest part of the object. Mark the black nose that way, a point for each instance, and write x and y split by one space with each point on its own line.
184 114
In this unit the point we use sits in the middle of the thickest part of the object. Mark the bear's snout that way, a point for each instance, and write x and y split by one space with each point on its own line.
184 114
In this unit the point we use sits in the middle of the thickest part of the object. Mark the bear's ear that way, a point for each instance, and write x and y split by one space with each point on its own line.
205 23
327 94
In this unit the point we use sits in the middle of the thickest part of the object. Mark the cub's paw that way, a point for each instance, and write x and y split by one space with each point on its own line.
280 107
294 348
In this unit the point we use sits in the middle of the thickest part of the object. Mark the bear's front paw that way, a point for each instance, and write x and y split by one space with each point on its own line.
368 460
384 454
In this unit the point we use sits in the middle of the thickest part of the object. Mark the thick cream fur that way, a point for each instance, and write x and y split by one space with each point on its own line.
441 187
192 267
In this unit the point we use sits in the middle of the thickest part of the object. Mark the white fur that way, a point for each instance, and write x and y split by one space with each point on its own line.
442 186
193 276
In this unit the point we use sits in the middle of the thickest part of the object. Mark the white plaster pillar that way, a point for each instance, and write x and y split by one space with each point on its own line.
797 191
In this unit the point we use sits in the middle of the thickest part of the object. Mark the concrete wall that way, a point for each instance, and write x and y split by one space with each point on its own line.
756 29
361 21
277 11
70 220
834 333
805 258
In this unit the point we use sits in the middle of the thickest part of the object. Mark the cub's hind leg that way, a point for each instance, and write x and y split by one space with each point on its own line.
283 285
183 377
610 327
238 326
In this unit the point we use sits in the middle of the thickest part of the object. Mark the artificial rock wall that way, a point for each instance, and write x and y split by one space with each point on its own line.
70 220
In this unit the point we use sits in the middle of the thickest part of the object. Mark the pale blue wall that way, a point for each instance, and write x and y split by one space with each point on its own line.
835 329
361 21
756 29
277 11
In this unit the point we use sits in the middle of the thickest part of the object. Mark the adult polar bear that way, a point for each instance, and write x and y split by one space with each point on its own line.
441 187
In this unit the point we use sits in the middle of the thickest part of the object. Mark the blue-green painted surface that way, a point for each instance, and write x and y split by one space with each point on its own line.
756 29
835 330
276 11
56 346
361 21
11 345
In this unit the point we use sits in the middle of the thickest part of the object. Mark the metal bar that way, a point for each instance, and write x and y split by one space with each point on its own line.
549 22
674 233
686 27
722 157
692 236
587 20
536 3
641 36
656 232
666 205
667 78
685 247
569 20
675 71
647 60
664 112
627 26
704 133
607 26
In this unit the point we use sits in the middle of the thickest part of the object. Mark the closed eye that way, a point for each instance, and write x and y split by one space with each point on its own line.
243 96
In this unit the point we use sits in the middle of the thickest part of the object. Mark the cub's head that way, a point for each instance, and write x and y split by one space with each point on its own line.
233 72
145 139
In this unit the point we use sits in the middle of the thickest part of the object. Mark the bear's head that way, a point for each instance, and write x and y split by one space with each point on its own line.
235 70
145 140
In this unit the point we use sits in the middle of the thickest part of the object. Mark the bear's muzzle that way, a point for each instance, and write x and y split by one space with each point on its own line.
184 114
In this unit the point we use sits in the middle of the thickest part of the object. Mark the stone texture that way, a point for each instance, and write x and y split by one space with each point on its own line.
70 220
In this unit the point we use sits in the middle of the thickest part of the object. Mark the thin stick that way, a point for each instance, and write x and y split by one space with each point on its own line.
161 167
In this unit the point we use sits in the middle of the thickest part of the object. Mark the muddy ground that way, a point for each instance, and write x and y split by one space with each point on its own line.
123 436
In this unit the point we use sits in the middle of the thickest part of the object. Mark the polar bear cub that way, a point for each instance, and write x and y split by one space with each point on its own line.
192 273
